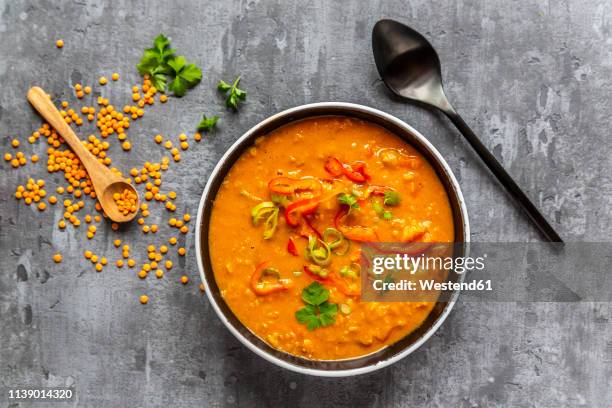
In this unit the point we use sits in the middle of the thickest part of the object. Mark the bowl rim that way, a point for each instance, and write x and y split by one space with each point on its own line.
245 137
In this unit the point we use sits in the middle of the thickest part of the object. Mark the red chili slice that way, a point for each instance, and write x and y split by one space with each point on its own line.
355 172
379 190
291 248
333 280
300 207
308 229
334 166
262 289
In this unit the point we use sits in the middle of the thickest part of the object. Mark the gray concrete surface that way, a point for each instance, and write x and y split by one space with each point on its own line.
534 80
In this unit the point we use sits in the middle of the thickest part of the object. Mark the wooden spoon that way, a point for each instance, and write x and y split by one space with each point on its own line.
105 182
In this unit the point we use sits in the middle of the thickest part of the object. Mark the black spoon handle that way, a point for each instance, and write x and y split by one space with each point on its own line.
503 176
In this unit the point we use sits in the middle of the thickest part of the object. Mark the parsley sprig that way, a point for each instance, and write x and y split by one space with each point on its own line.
235 94
167 70
208 124
318 312
350 200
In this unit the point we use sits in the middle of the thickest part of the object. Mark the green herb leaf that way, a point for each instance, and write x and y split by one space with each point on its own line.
162 66
308 316
191 74
392 198
318 312
327 313
154 57
161 42
348 199
223 86
186 75
159 82
207 124
387 215
315 294
235 95
177 63
178 87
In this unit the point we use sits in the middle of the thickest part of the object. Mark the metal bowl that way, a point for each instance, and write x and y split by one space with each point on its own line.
327 368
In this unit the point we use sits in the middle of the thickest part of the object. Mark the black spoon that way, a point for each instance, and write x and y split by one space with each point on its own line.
410 67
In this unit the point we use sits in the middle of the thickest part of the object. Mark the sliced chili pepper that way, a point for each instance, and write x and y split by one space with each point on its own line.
379 190
288 185
265 288
308 229
356 172
333 280
300 207
291 247
334 166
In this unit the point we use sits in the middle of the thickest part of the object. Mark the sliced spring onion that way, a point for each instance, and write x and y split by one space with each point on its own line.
336 241
332 237
262 211
269 211
317 270
317 251
269 271
353 270
345 309
271 223
248 195
280 200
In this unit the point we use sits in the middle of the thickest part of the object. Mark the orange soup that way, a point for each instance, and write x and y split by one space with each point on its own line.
288 222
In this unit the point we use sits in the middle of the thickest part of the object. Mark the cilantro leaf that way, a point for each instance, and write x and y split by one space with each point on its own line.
327 313
186 75
235 96
207 124
155 57
178 86
317 316
392 198
318 312
348 199
223 86
177 63
167 70
308 316
315 294
191 74
161 42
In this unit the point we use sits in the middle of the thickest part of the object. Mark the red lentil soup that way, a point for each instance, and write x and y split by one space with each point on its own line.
287 225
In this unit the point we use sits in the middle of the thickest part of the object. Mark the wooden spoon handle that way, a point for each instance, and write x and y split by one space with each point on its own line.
43 104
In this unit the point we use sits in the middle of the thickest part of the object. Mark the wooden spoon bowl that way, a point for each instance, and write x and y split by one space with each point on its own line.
104 181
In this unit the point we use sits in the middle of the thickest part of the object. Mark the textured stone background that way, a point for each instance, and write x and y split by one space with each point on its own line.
532 78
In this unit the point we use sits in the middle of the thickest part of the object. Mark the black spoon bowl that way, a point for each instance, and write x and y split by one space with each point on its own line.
410 67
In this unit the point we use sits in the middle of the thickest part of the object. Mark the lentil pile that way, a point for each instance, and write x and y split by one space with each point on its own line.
111 124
